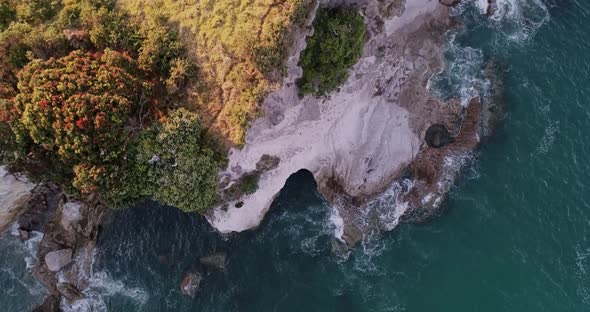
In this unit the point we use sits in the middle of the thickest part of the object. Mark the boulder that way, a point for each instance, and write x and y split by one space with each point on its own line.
214 261
190 284
437 136
69 292
50 304
449 3
352 235
56 260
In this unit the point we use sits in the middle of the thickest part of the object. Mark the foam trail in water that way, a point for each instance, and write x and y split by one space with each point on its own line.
101 286
516 21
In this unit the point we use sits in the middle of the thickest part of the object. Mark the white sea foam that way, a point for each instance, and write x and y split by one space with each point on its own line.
462 76
338 223
548 138
102 285
515 21
519 20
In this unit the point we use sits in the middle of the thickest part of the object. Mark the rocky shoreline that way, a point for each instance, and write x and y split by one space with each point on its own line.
70 229
382 150
365 137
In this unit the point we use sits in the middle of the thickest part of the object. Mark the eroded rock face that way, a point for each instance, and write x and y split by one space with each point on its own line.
50 304
450 3
190 284
69 292
56 260
357 140
215 261
70 233
431 179
39 208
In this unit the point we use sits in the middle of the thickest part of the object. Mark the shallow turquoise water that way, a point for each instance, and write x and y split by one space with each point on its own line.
514 234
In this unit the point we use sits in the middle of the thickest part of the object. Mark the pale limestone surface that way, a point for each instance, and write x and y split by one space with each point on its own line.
360 137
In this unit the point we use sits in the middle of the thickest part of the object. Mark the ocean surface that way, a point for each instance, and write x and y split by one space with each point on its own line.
514 234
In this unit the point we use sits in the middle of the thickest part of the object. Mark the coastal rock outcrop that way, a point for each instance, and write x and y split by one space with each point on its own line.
69 292
190 284
67 248
358 140
50 304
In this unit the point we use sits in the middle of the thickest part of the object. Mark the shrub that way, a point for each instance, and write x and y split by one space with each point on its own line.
181 171
7 14
335 46
159 47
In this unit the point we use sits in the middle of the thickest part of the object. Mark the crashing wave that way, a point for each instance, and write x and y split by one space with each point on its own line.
102 286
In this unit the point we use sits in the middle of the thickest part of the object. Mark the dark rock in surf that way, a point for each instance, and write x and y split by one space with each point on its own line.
437 136
492 7
69 292
50 304
190 284
215 261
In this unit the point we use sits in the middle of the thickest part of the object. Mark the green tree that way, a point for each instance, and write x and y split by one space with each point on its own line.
335 46
181 169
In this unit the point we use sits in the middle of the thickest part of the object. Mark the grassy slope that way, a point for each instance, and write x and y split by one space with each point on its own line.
239 48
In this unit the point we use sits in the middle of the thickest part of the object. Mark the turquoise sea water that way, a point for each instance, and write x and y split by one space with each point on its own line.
514 234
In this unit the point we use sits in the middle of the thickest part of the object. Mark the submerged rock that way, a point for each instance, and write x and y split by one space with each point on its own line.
56 260
69 292
190 284
215 261
50 304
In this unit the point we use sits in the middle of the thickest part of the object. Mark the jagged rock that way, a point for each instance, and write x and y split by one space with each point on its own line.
40 208
50 304
352 235
69 292
190 284
56 260
449 3
215 261
24 235
267 162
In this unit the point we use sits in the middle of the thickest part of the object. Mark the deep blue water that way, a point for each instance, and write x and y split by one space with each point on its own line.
515 234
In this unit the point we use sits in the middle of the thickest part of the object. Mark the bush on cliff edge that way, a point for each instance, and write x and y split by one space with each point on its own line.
335 46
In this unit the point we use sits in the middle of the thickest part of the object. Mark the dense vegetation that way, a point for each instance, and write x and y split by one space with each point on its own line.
335 46
90 97
239 45
128 99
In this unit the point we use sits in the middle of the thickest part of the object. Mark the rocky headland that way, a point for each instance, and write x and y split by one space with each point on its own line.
368 144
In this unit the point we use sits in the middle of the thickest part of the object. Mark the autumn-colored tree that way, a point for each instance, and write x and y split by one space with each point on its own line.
78 107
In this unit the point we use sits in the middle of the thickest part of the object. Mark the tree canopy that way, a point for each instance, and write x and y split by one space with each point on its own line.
335 46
